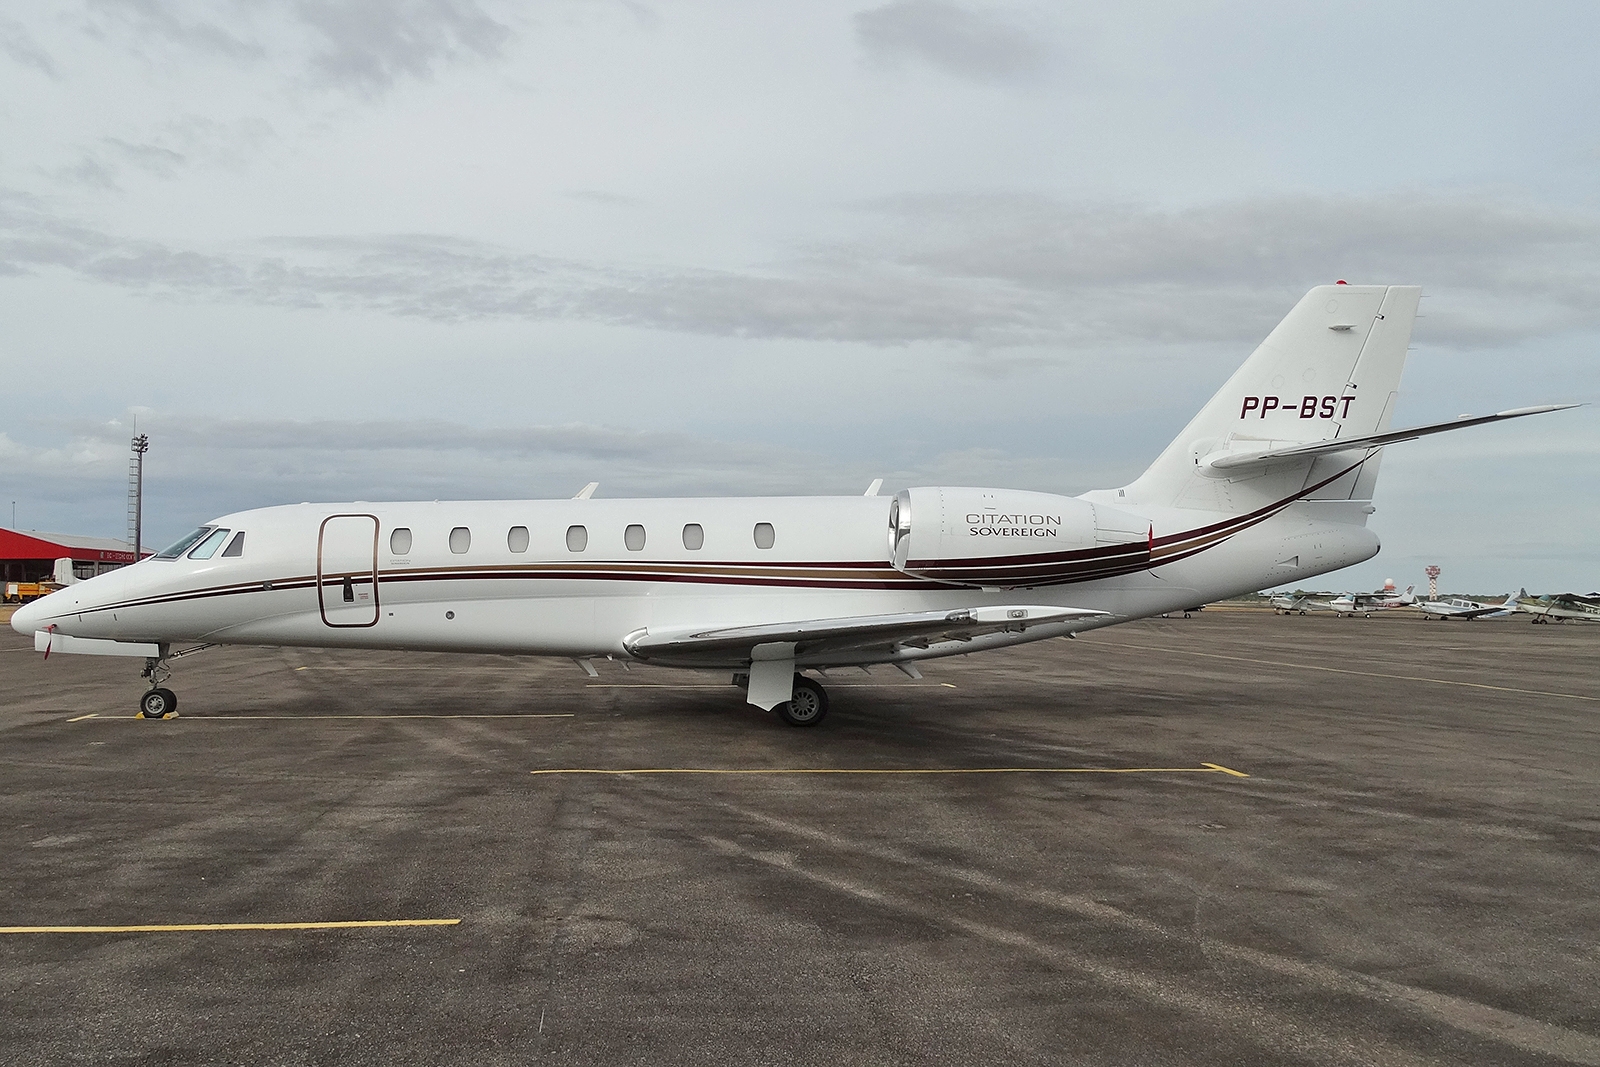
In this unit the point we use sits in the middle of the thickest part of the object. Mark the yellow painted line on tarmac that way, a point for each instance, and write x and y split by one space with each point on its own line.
323 718
1207 768
297 718
1363 674
359 924
508 671
80 718
725 685
655 685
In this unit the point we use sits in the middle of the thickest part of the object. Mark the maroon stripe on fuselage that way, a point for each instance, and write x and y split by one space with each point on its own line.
1037 569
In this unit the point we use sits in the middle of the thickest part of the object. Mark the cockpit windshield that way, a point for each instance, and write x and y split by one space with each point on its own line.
178 548
208 548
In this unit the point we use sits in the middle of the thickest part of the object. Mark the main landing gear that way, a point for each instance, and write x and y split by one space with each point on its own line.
808 706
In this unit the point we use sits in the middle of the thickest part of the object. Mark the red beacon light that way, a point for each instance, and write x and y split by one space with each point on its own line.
1341 281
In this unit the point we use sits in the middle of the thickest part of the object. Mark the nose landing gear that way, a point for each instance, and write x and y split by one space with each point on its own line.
160 702
157 703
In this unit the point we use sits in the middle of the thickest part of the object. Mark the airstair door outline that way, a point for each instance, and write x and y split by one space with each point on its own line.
347 570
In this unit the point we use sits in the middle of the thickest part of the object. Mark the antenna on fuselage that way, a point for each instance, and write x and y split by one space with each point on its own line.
586 492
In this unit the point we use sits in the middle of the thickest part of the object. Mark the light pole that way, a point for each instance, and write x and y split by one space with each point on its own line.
141 445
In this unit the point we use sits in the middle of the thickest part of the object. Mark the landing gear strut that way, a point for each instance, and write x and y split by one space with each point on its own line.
807 707
158 703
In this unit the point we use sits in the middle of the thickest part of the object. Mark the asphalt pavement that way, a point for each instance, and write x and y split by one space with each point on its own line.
1234 839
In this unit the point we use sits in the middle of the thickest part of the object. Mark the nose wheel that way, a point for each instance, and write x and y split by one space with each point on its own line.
158 703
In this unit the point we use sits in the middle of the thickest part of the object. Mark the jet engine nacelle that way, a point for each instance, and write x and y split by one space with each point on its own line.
1009 539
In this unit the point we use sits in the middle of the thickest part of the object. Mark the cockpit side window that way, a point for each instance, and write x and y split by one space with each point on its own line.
178 548
208 548
236 546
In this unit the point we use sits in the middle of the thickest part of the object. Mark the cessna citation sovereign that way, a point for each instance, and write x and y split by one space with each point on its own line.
1270 483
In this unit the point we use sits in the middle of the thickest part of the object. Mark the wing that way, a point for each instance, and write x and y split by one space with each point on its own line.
815 639
1377 440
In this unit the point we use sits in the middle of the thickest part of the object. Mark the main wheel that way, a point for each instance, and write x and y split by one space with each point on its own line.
807 707
158 704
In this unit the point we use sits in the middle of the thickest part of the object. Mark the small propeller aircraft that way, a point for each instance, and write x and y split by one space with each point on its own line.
1352 604
1456 607
1297 603
1560 607
1270 483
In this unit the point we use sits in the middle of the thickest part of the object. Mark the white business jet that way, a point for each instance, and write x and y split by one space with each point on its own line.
1270 483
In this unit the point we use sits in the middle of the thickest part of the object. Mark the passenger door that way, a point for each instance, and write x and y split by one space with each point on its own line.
347 570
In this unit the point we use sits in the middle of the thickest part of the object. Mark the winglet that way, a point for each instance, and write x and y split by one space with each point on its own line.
872 490
586 492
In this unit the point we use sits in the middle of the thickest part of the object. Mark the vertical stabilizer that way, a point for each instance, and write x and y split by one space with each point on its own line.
1330 369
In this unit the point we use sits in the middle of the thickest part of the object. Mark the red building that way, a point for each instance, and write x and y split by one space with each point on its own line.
31 556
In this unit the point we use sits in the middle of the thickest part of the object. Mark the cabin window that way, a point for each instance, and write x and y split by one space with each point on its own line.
208 548
400 541
178 548
694 537
633 537
577 538
517 539
236 546
460 540
765 537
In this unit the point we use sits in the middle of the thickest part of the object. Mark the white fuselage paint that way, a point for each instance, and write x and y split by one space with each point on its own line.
830 558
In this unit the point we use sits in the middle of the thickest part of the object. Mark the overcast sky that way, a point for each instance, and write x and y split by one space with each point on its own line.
336 249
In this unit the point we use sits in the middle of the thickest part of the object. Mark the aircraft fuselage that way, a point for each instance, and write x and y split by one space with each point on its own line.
578 577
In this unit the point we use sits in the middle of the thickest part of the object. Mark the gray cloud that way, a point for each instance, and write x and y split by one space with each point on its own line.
169 20
174 147
985 271
979 45
18 43
362 45
162 162
199 466
370 44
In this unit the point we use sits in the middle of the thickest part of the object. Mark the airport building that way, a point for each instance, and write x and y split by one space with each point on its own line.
31 556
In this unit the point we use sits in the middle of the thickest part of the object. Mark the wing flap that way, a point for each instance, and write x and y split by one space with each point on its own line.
916 629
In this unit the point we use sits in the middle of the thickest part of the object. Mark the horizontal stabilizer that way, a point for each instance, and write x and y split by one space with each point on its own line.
914 629
1232 460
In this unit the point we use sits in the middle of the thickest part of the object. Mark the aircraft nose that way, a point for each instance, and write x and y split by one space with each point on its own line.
25 621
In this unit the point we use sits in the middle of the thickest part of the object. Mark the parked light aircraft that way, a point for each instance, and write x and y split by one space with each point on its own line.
1290 603
1559 607
1456 607
1270 483
1366 603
